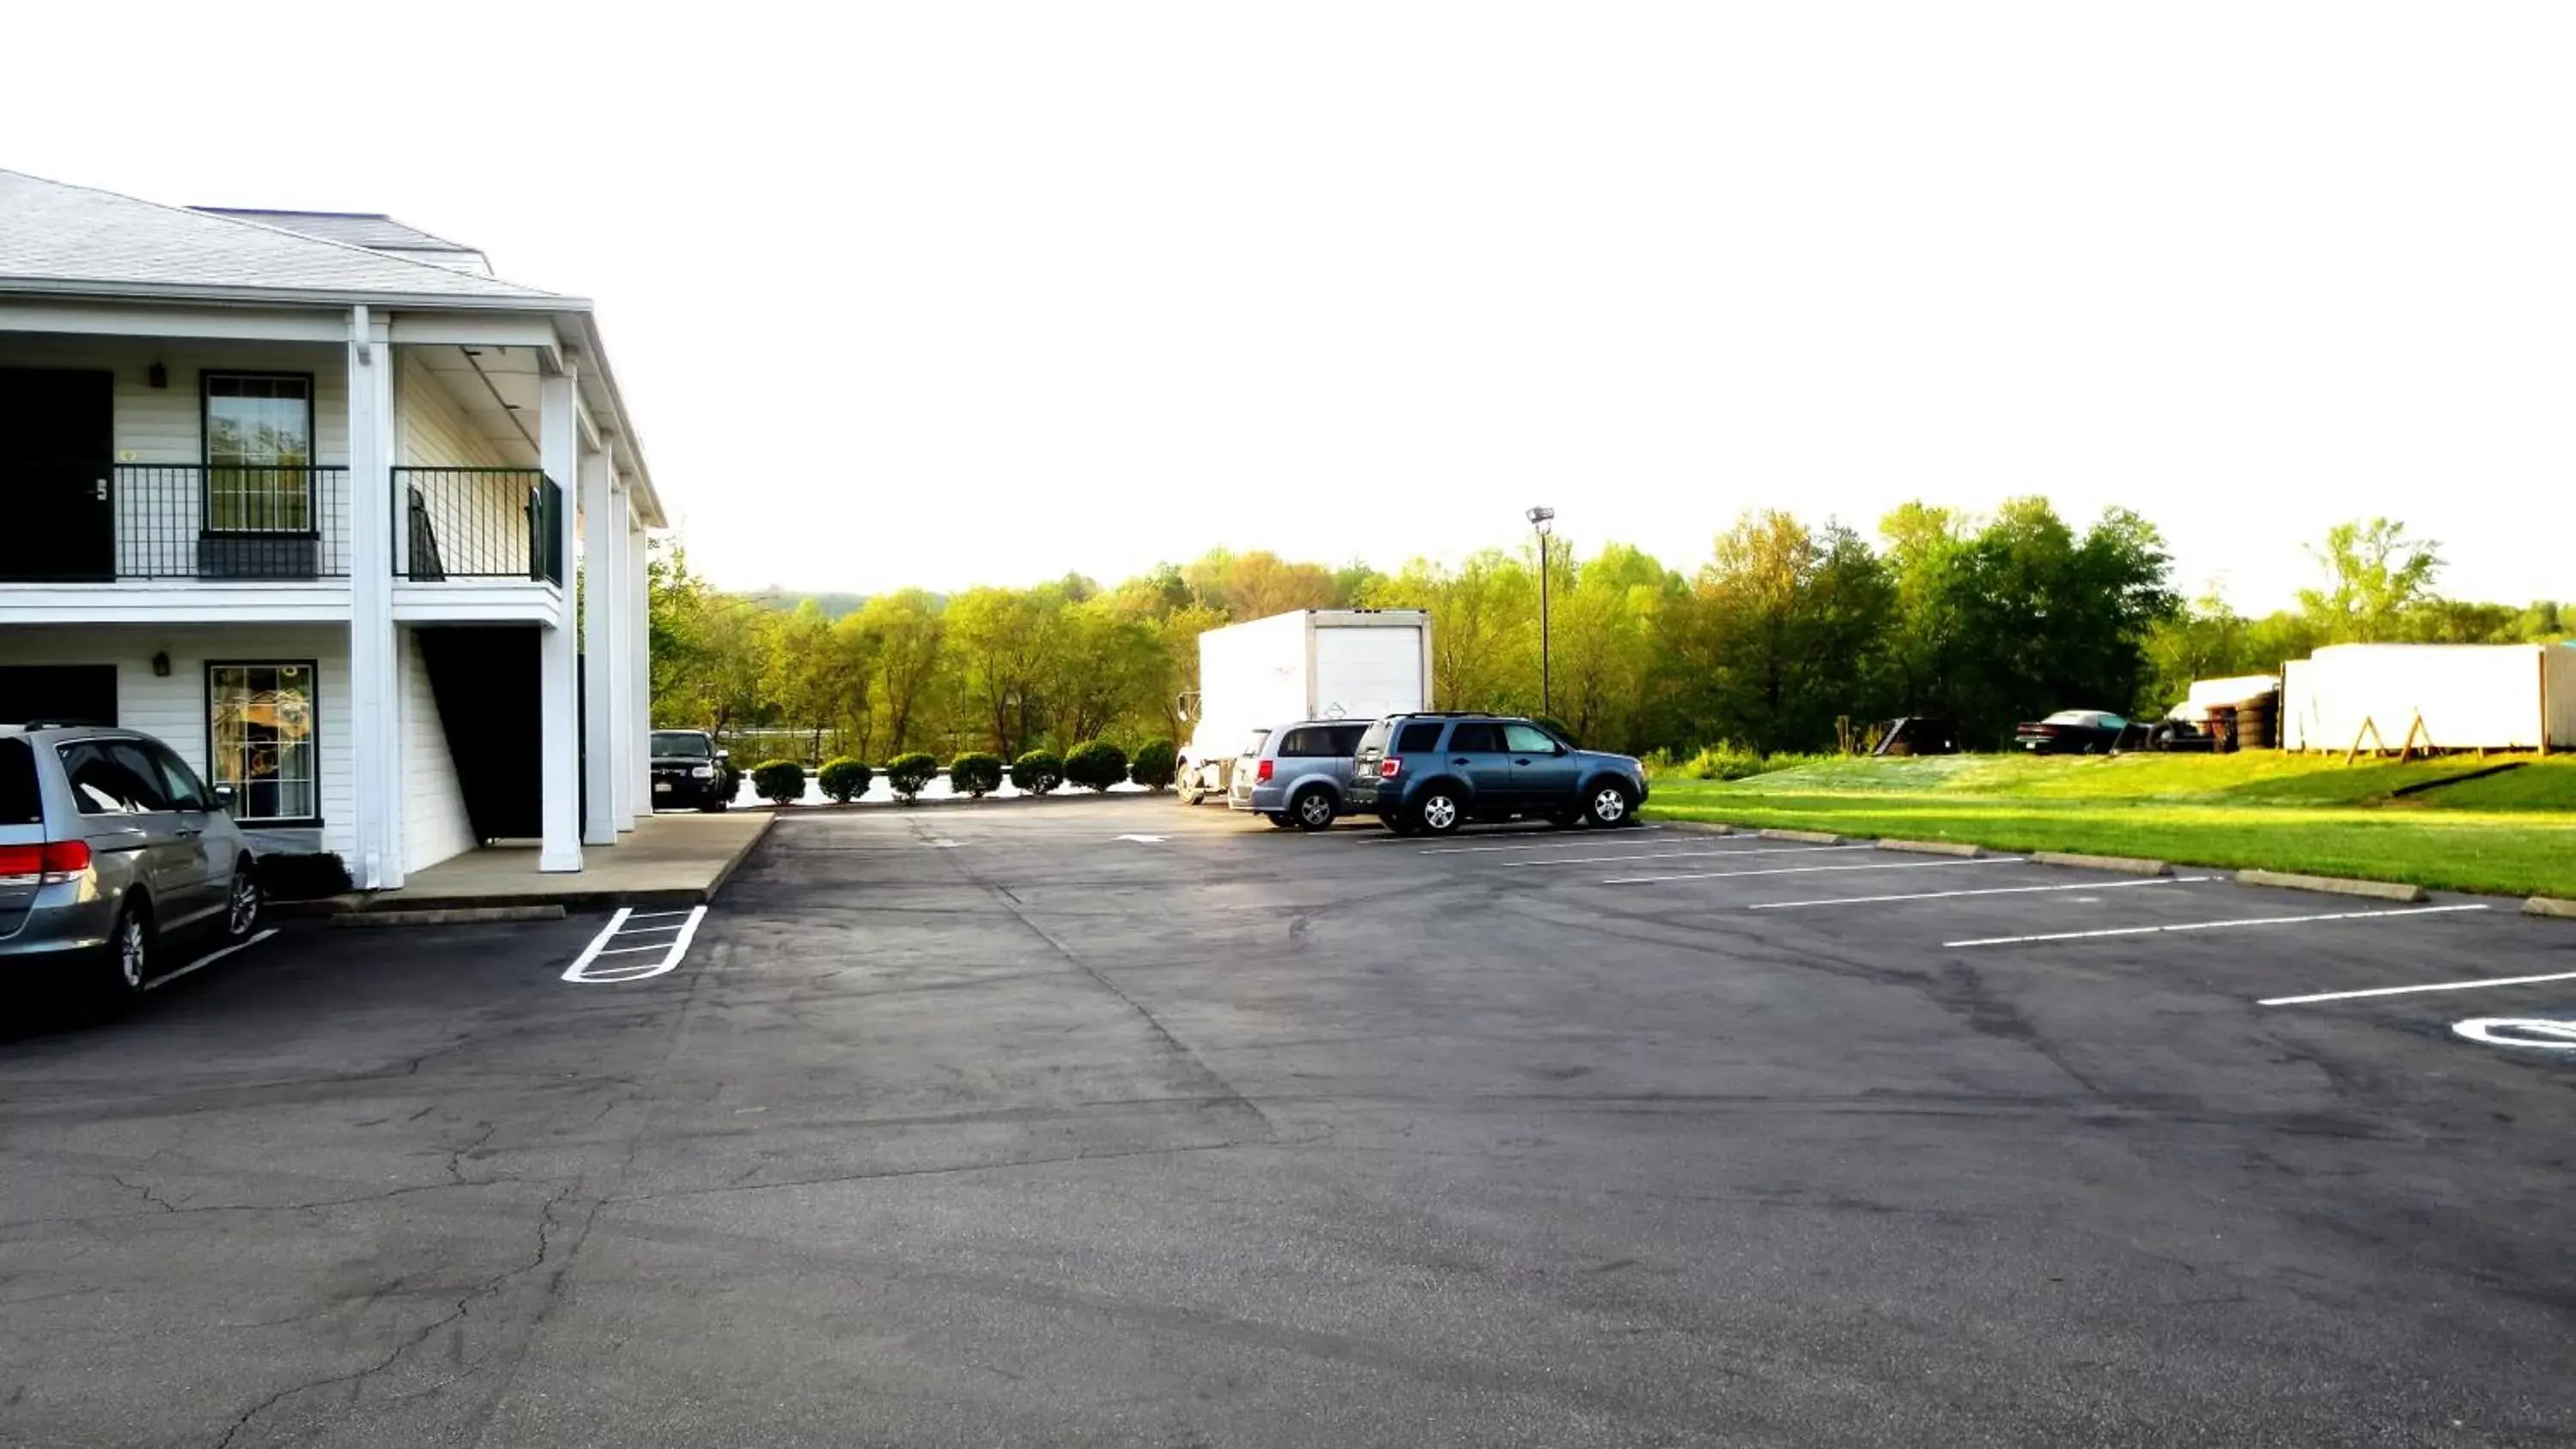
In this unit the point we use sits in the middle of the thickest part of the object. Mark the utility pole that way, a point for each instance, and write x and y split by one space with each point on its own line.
1540 519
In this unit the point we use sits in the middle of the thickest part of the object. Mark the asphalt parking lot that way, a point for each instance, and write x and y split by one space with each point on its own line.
1121 1123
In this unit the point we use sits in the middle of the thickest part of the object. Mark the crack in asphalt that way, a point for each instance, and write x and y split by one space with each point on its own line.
1179 1048
461 1308
955 1168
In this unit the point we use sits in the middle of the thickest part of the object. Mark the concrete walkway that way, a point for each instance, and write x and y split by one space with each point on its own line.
670 860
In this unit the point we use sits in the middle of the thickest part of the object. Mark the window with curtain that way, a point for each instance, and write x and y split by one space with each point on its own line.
259 452
261 724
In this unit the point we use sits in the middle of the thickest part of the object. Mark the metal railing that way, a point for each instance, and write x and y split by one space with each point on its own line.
182 521
230 522
477 523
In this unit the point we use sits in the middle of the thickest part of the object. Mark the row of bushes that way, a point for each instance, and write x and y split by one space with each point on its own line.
1093 764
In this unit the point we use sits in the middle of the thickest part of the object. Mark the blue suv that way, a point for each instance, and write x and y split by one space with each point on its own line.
1434 772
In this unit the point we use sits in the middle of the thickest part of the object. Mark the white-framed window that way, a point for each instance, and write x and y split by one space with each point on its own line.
263 732
259 452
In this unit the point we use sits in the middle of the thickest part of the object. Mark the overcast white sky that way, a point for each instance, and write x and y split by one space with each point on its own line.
945 294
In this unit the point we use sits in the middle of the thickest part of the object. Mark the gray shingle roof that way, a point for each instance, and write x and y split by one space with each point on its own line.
372 230
54 233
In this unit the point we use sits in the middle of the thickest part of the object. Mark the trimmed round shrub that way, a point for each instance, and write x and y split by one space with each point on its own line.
780 782
906 774
1156 766
1095 764
976 774
845 779
1037 772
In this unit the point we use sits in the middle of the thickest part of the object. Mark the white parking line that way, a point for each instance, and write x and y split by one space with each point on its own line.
2090 885
2207 926
585 970
1700 854
209 959
1810 870
1555 839
2411 990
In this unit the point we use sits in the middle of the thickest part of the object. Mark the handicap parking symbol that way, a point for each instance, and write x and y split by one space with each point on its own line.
2512 1031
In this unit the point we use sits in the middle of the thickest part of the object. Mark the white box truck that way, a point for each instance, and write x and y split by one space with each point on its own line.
1314 664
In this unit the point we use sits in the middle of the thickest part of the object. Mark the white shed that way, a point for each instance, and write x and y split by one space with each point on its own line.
2471 696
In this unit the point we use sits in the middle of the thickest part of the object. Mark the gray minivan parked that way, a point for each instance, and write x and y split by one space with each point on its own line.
1296 774
109 846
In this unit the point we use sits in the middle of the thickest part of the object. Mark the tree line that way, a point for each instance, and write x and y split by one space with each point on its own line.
1785 631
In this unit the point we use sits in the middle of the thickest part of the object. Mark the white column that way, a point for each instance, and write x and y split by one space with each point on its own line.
375 730
558 653
602 534
639 653
621 766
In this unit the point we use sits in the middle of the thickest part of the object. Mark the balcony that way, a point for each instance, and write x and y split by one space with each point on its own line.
159 522
478 523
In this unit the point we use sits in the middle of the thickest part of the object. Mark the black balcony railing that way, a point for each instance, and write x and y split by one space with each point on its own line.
477 523
179 521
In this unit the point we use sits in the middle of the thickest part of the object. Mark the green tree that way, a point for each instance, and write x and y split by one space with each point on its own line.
909 633
2375 576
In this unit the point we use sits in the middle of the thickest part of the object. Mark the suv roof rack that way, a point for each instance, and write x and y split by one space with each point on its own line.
1452 714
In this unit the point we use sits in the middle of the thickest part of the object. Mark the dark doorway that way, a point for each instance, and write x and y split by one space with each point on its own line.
58 694
57 452
485 679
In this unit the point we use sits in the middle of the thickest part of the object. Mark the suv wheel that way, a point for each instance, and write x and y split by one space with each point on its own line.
1438 812
1313 808
241 907
1610 805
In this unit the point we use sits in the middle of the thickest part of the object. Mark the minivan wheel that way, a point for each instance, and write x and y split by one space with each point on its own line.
1610 806
241 908
130 947
1438 813
1313 809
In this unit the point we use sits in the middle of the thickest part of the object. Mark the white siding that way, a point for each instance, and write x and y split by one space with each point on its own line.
435 430
166 425
435 825
174 708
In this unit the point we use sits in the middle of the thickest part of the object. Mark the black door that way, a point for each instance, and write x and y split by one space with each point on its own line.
57 449
83 694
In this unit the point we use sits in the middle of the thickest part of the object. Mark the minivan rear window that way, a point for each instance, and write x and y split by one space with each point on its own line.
1322 742
19 803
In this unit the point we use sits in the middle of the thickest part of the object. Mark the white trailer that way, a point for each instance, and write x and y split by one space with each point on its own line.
2469 696
1314 664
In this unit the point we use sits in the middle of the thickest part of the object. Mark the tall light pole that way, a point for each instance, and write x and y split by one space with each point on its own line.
1539 519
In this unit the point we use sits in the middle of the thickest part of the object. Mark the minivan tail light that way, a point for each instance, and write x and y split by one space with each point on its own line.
51 863
1261 776
1388 768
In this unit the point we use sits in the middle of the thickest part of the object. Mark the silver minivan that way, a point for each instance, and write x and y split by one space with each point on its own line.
110 846
1295 775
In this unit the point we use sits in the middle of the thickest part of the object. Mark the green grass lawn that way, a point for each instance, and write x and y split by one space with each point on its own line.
2513 833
